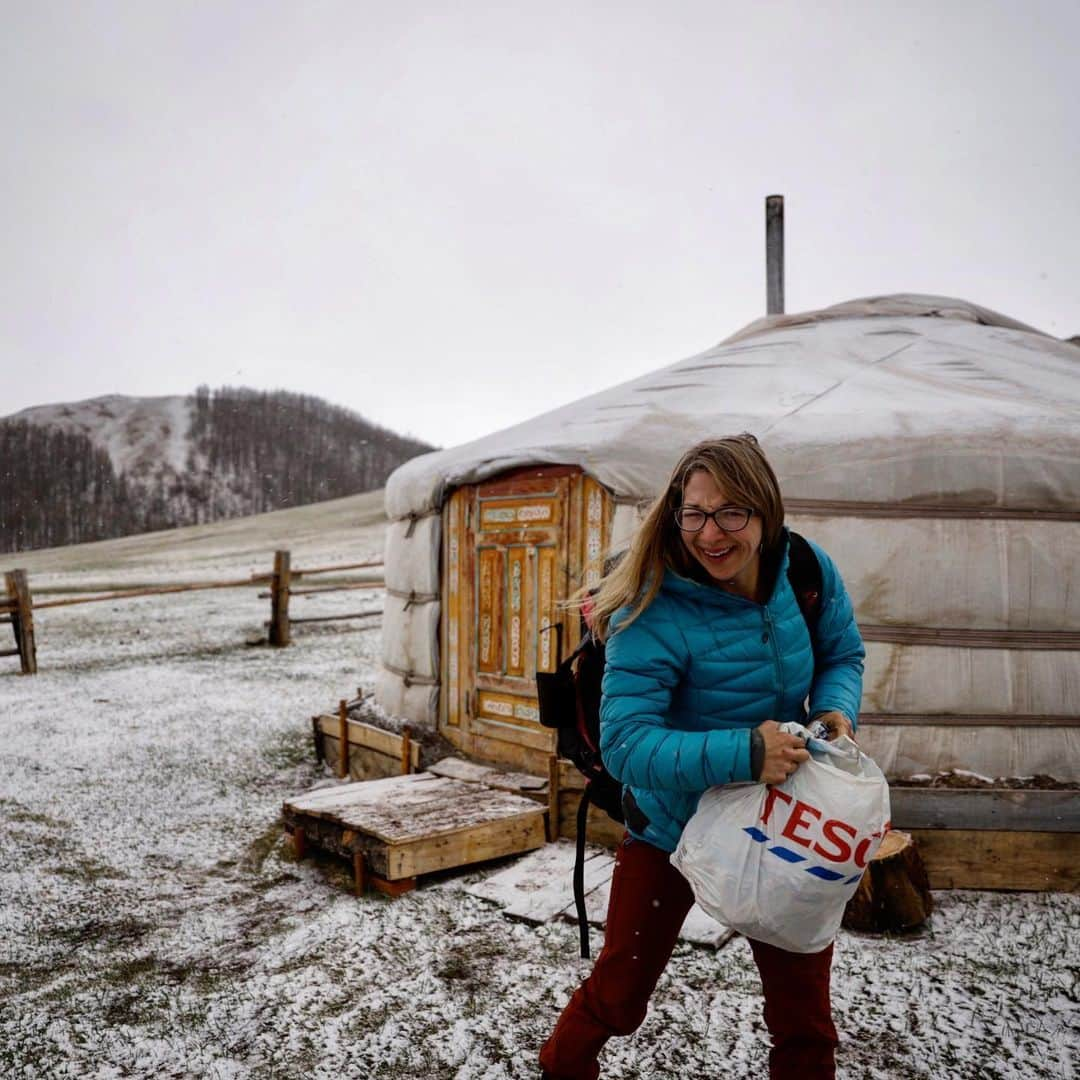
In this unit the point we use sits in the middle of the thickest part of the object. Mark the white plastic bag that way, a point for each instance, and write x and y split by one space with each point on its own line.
779 862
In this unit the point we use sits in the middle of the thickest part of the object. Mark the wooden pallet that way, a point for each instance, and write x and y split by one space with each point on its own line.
395 829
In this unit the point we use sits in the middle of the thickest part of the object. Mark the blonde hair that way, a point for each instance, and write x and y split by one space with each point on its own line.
737 464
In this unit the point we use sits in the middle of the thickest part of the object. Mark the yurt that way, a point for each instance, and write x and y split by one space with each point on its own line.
930 445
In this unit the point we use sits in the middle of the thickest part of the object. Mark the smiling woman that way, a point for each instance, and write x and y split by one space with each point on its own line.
724 539
708 650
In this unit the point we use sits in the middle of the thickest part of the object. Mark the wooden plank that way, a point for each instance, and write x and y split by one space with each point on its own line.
329 588
434 812
539 887
556 894
392 888
525 875
370 737
361 793
132 594
315 800
980 859
476 843
990 809
460 769
308 571
334 618
532 737
364 764
523 758
529 480
596 903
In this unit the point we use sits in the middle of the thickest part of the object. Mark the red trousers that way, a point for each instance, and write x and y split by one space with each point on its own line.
649 901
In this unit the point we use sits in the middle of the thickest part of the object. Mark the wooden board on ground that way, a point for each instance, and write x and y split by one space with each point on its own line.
539 888
460 769
416 823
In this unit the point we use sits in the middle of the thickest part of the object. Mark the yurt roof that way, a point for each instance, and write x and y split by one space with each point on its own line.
905 398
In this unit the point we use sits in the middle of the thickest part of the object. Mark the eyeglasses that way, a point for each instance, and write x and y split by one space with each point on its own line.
729 518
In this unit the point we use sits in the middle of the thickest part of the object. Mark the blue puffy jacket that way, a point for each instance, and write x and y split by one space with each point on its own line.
686 681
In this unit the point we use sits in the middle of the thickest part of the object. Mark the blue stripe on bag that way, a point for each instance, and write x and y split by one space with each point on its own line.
825 875
794 857
787 854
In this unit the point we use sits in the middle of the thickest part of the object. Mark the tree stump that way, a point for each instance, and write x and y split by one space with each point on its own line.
894 893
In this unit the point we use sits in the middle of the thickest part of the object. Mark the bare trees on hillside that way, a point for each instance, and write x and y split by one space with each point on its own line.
249 451
57 488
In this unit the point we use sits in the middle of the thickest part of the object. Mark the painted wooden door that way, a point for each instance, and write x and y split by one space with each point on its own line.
514 548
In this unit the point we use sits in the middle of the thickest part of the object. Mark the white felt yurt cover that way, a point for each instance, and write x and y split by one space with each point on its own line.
899 399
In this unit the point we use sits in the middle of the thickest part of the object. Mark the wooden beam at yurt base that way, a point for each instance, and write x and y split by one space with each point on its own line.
954 544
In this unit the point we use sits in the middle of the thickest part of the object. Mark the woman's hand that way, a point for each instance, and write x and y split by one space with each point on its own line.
837 723
784 753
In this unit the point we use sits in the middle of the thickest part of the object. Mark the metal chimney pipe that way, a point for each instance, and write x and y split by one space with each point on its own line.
774 254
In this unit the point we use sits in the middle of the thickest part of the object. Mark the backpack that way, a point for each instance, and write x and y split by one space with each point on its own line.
569 702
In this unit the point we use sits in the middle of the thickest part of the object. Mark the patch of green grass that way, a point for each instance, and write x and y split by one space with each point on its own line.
131 970
456 964
15 812
290 749
116 932
87 870
272 883
260 849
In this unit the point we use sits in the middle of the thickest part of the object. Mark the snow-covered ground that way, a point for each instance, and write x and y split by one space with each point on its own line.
152 923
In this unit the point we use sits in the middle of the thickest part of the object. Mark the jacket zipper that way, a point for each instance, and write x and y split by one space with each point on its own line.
769 629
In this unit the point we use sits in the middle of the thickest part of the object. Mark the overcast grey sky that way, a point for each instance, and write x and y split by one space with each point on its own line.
452 217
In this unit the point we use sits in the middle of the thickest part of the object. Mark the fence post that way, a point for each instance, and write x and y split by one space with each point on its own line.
22 619
343 738
279 599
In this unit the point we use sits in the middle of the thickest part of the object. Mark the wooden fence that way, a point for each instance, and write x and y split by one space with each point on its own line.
17 606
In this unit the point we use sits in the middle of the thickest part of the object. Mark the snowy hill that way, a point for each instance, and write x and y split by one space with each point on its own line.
114 465
144 437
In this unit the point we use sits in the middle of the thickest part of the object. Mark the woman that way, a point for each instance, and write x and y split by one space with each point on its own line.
707 652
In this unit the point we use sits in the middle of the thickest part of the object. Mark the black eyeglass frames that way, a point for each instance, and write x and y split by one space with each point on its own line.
729 518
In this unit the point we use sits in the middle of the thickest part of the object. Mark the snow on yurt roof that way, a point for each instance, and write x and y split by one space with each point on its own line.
902 398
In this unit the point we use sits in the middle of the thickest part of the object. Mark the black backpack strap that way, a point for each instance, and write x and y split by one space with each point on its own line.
807 582
579 873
